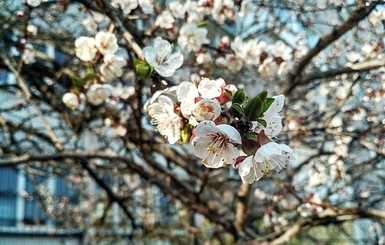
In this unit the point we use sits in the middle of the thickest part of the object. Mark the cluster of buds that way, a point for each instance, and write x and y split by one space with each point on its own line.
225 127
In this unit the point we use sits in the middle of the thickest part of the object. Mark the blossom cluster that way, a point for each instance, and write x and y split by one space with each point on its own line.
99 53
224 126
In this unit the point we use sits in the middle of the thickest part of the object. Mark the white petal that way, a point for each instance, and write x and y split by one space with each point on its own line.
273 125
246 171
234 135
277 105
205 127
267 151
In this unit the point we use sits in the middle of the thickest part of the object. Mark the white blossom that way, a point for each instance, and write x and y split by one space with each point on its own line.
194 12
207 109
106 42
98 93
29 54
90 24
161 58
165 20
177 9
34 3
168 123
126 5
32 30
112 67
192 37
186 94
71 100
211 88
280 49
216 145
147 6
271 156
85 48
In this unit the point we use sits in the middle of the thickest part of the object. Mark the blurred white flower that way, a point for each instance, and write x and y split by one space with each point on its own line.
222 9
112 67
161 58
215 144
204 58
98 93
29 54
34 3
106 42
271 156
85 48
90 24
147 6
162 114
32 30
268 68
71 100
192 37
177 9
280 49
165 20
126 5
195 13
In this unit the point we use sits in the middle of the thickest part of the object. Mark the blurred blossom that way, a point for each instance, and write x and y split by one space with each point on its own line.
34 3
71 100
191 37
147 6
29 54
106 42
85 48
98 93
165 20
112 67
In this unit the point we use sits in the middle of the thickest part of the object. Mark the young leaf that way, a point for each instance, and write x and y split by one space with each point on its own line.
238 108
142 69
263 95
263 122
267 104
239 97
253 109
229 93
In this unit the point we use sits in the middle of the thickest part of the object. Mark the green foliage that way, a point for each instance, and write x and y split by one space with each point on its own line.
142 69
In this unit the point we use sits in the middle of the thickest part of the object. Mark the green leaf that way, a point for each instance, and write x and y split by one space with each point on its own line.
239 97
267 104
142 69
202 23
185 134
263 122
263 95
238 108
77 82
90 76
253 109
229 93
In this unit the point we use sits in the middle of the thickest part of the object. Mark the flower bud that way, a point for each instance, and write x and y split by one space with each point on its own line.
71 100
224 98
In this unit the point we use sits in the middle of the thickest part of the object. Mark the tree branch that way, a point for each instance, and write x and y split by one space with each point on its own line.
358 15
